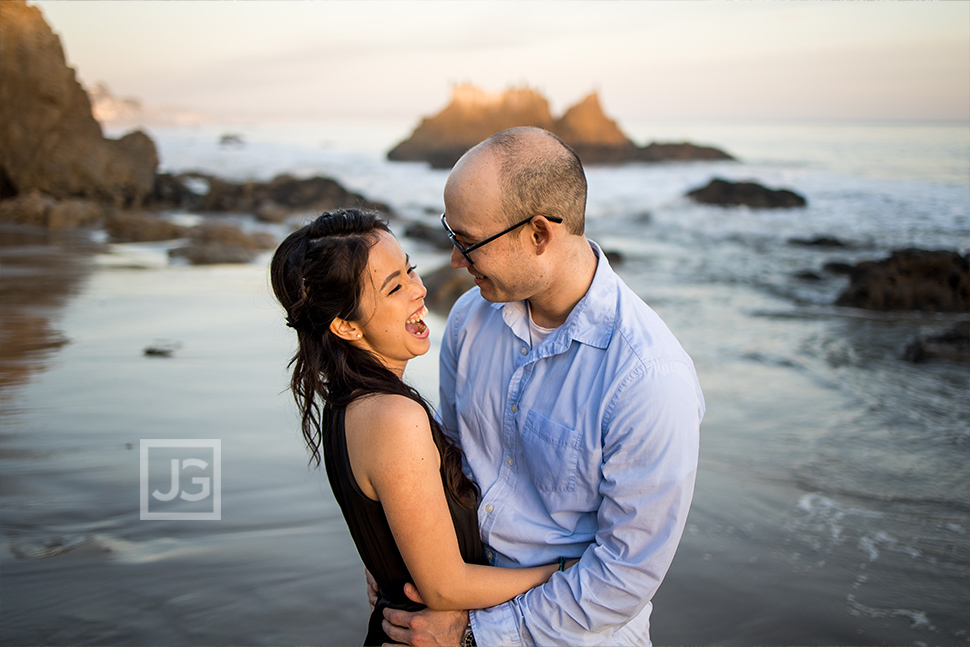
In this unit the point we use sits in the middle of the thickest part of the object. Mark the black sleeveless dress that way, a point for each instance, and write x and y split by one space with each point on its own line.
371 534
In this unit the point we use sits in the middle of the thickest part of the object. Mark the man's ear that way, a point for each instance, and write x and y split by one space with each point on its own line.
541 234
345 329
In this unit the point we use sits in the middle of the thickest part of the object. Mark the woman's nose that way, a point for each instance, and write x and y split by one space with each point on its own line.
419 291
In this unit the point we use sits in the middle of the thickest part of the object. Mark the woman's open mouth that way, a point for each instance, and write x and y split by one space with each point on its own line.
415 323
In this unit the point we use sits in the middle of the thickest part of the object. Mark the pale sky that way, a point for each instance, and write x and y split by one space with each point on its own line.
647 59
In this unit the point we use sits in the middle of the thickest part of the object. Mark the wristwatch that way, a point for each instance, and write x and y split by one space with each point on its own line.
468 638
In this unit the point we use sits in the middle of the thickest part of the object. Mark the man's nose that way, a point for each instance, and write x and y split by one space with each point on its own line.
458 259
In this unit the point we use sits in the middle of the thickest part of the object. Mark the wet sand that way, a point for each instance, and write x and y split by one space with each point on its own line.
763 561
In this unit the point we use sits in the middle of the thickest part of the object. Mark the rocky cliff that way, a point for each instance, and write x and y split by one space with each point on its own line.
49 139
474 114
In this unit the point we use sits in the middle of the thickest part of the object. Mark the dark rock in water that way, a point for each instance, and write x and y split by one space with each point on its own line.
952 345
681 152
445 285
614 257
272 201
911 279
173 192
818 241
838 267
432 234
474 115
231 139
162 348
750 194
49 138
808 275
221 242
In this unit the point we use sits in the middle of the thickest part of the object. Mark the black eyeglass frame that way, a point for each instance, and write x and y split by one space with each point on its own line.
465 251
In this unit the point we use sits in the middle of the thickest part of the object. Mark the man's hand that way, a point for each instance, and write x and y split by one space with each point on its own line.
425 628
372 592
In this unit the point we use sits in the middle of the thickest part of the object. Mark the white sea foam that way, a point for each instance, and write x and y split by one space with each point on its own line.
918 619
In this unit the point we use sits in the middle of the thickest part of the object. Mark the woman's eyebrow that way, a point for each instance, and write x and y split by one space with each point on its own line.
390 278
407 261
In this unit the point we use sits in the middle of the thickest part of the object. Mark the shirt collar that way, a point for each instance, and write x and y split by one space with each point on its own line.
591 321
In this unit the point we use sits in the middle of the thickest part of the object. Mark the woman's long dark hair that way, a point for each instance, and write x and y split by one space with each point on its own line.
316 275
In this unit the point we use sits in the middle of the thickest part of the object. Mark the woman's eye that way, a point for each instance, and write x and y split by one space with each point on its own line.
412 268
394 289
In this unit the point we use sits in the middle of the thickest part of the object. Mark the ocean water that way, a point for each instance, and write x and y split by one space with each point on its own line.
833 497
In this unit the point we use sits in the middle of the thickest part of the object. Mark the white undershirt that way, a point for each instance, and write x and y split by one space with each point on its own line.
536 332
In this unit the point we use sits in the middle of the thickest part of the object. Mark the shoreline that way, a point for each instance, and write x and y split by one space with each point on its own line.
764 560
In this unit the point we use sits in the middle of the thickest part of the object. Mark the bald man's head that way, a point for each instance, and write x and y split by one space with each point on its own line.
539 175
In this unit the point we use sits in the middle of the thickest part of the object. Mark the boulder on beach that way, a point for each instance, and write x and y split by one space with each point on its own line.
749 194
38 209
445 285
222 242
910 279
138 227
474 114
49 138
434 235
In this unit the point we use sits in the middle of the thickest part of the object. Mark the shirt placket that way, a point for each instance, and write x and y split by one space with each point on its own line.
497 498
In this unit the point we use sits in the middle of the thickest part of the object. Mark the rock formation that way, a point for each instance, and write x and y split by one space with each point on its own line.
910 279
445 285
750 194
272 201
49 139
222 242
951 345
474 114
596 138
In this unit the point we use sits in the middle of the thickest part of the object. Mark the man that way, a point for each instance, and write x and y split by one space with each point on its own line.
577 409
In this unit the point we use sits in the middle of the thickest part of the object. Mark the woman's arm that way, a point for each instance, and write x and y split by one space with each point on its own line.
395 461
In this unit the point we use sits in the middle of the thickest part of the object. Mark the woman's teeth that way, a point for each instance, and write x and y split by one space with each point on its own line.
415 323
419 315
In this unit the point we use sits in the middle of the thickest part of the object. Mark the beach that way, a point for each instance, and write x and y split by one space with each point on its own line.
832 504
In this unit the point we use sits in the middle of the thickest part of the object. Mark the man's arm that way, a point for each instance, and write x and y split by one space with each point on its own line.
648 470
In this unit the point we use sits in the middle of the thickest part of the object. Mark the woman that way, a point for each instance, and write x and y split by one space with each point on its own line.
357 306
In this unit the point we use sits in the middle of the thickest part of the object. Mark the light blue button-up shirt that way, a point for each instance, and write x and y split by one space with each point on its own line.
585 445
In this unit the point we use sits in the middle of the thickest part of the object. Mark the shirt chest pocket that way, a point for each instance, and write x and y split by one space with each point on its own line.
551 453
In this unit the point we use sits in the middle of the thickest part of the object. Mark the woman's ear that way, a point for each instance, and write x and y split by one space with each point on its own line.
344 329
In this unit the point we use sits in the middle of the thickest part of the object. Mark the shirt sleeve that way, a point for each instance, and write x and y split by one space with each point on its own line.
650 449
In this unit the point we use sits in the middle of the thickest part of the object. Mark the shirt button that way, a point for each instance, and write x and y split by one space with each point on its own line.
514 409
510 461
489 508
525 351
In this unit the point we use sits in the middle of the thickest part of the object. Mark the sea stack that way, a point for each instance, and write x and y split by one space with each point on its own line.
475 114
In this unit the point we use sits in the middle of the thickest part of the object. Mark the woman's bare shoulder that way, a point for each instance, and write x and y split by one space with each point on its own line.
387 412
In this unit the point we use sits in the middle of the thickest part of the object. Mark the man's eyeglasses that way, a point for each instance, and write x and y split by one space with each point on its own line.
465 251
